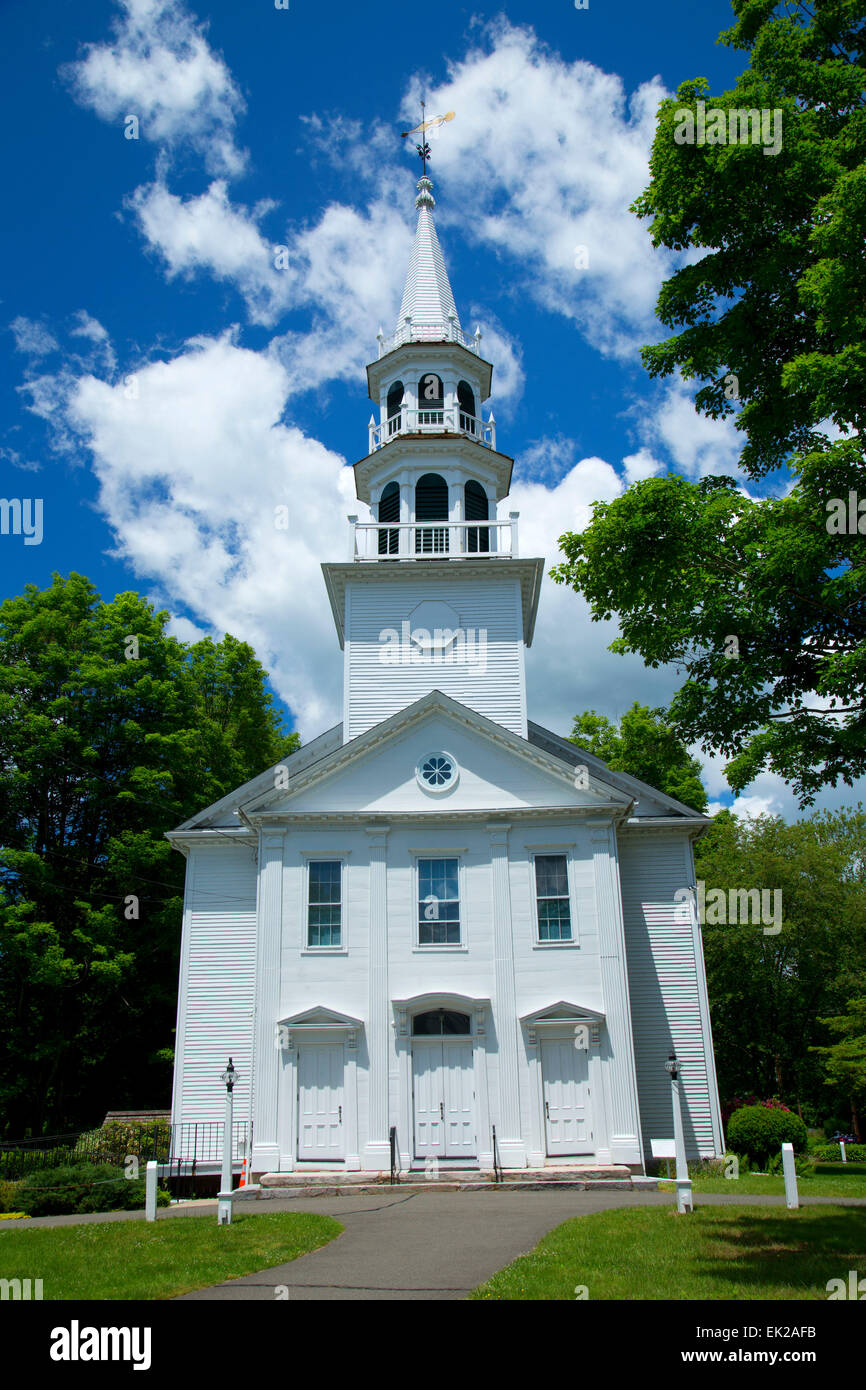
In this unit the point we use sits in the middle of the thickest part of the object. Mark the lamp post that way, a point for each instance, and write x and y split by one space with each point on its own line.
224 1201
684 1186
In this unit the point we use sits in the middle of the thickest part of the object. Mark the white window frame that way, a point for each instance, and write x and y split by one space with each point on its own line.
544 852
324 856
435 947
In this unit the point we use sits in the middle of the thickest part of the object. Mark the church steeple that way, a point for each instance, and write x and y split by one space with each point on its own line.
427 298
434 571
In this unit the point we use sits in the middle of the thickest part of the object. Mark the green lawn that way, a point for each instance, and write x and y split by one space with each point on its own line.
140 1260
829 1180
714 1253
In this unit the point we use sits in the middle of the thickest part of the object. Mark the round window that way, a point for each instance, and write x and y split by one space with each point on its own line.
437 772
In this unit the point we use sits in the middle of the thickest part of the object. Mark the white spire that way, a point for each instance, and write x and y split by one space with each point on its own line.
427 298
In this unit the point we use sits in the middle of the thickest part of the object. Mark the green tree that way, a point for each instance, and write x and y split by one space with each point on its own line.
760 603
769 992
845 1060
643 745
111 732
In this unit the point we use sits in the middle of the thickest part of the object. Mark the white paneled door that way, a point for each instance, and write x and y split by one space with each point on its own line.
320 1102
564 1070
444 1084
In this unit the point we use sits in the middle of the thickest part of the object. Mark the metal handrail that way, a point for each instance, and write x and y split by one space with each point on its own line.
497 1168
395 1167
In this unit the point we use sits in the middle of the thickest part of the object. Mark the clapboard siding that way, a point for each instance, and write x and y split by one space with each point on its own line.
665 983
490 680
218 981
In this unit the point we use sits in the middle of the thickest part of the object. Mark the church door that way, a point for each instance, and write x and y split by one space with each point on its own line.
567 1117
320 1103
444 1098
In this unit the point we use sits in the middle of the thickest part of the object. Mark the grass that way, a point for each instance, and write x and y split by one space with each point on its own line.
828 1180
715 1253
144 1260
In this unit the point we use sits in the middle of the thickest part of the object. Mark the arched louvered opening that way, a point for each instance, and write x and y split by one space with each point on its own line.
431 504
431 400
476 509
395 403
389 510
466 402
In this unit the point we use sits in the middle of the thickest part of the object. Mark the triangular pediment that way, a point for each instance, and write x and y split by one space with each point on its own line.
321 1017
380 772
563 1011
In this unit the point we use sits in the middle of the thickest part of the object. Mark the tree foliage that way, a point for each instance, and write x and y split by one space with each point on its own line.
772 297
101 752
643 745
770 994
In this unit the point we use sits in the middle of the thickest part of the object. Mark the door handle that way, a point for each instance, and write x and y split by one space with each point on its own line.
441 1111
546 1111
340 1108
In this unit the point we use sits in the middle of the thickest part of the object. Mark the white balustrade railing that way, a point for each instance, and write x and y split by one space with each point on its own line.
437 420
430 540
409 332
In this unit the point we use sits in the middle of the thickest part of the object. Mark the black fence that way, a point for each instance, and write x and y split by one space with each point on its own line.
188 1151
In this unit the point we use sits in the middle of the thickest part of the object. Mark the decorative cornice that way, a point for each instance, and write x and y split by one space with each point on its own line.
528 572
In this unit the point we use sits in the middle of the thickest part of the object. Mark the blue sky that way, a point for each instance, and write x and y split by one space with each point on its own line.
165 385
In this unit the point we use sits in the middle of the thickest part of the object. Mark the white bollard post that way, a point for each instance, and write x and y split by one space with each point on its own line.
683 1181
792 1196
150 1191
842 1147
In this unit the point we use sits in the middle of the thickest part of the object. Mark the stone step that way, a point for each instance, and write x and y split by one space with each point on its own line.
531 1179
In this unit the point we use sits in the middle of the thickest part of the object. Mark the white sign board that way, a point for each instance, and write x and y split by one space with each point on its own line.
663 1148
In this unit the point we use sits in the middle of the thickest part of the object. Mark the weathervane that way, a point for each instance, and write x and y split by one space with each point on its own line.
424 149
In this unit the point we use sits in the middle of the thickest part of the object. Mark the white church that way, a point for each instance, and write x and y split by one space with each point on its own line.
438 920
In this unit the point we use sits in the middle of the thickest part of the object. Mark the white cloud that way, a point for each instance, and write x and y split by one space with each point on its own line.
640 466
208 233
160 69
697 444
169 459
32 338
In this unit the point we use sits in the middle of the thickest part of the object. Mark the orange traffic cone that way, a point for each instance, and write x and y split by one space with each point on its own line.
243 1181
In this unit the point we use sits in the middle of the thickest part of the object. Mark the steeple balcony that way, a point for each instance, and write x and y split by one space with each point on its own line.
439 419
372 541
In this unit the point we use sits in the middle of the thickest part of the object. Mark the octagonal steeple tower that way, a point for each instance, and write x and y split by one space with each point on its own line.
434 595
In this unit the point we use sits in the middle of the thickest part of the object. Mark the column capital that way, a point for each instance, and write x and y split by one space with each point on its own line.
498 832
378 834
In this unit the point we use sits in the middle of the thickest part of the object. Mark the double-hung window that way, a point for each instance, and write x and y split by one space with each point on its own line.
552 898
438 902
324 902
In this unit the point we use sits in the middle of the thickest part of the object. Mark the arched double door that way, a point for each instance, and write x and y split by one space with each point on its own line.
443 1085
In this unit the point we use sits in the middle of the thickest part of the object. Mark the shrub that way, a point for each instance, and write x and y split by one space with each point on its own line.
803 1165
82 1187
831 1153
758 1131
9 1199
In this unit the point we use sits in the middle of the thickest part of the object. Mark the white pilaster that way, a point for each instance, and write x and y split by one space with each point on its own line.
509 1139
268 1061
377 1152
621 1088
